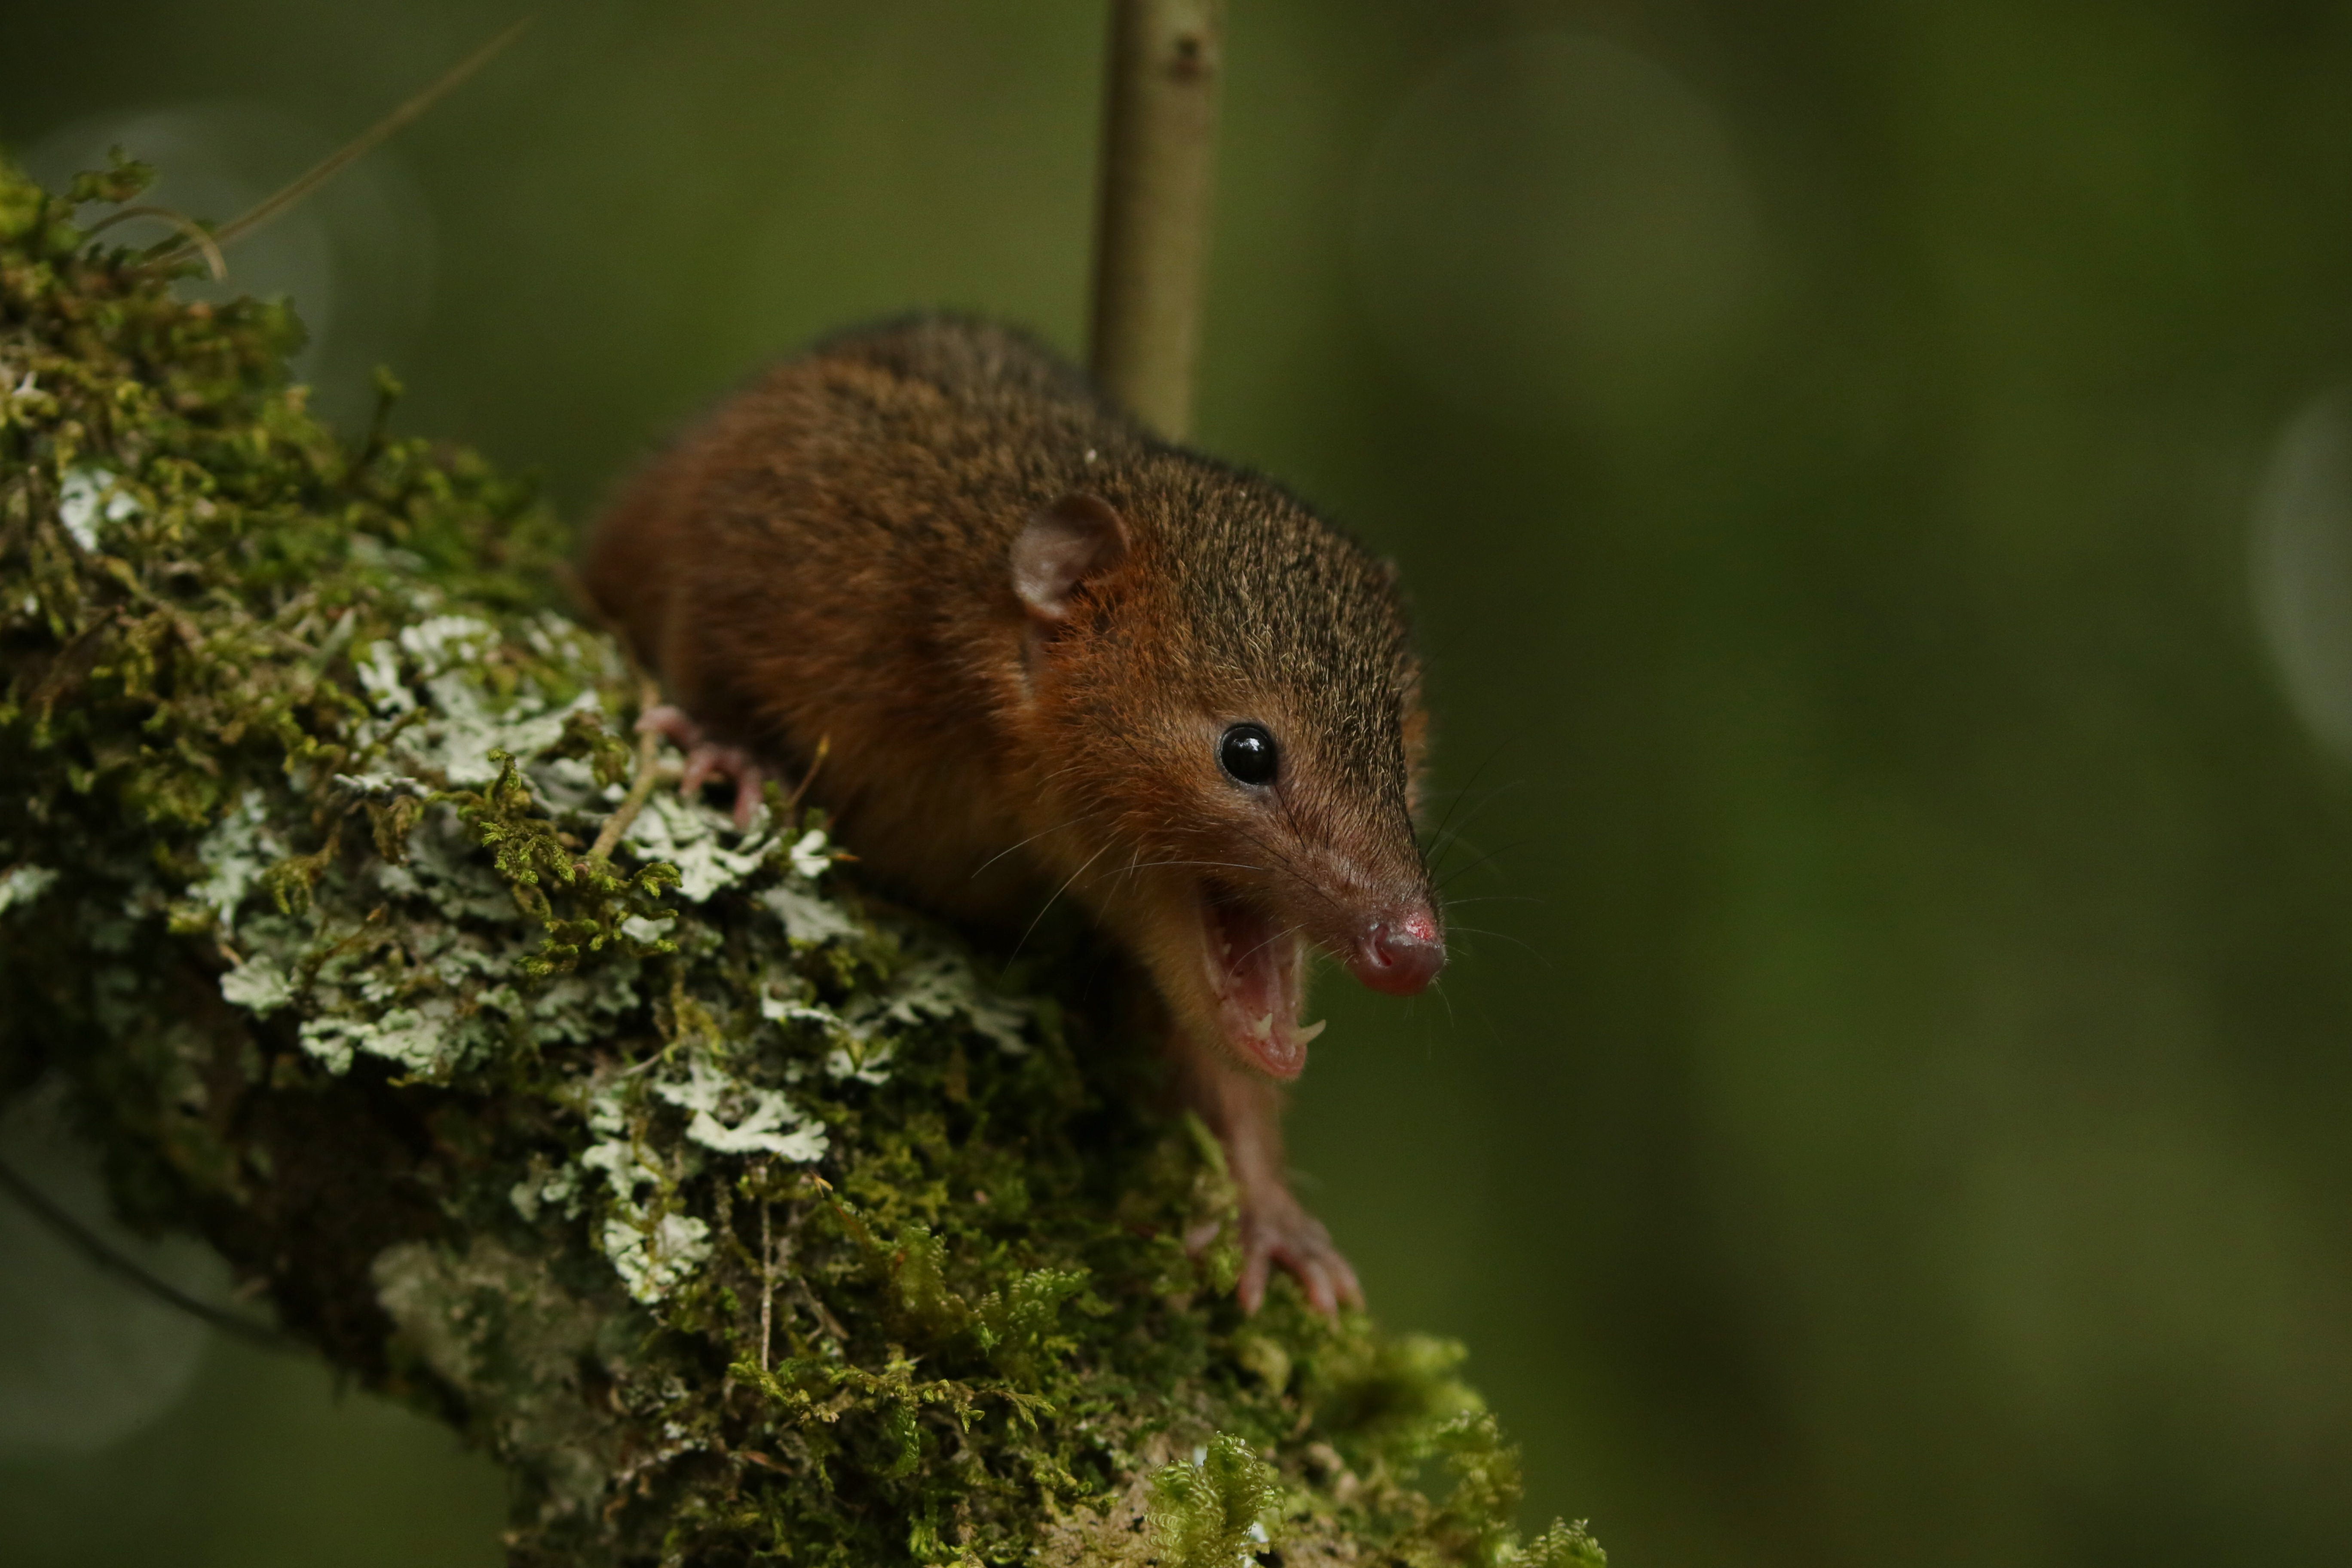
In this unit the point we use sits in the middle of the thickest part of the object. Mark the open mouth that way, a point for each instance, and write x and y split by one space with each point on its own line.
1256 971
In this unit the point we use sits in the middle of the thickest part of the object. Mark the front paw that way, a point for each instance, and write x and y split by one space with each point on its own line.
1278 1230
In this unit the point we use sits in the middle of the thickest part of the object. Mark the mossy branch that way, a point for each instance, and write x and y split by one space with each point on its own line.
738 1218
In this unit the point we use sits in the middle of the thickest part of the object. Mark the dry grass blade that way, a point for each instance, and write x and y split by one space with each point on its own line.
199 242
355 149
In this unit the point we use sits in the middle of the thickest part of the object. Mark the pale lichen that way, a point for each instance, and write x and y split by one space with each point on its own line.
23 884
88 499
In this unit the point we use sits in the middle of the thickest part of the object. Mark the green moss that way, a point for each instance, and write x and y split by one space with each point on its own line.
1211 1511
740 1217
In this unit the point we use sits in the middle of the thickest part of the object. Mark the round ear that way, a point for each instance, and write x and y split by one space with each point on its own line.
1062 547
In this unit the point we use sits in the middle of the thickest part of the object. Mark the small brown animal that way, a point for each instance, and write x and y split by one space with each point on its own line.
1047 653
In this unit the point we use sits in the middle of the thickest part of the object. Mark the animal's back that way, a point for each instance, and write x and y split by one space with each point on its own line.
874 465
821 560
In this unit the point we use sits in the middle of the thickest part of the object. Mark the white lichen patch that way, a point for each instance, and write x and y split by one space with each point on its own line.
809 920
567 783
565 641
260 984
440 643
467 728
636 1116
421 965
735 1118
797 1011
438 665
941 987
379 676
434 982
690 836
444 994
654 1256
239 849
574 1009
653 1250
423 1039
862 1058
382 787
449 871
89 500
938 990
812 854
647 929
23 884
559 1189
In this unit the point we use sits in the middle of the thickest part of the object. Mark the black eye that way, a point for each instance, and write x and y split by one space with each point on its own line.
1247 753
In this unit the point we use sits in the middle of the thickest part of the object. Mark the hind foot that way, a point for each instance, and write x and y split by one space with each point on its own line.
706 760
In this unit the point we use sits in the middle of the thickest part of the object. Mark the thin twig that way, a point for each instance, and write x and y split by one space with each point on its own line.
641 786
355 149
1151 232
92 1246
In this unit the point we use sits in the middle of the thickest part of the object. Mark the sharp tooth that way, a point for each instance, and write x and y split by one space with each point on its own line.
1299 1036
1263 1028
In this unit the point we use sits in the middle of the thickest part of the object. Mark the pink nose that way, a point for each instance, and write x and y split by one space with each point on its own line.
1401 957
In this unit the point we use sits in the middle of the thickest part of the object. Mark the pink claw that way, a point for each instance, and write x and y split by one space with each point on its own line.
1296 1240
1277 1229
706 760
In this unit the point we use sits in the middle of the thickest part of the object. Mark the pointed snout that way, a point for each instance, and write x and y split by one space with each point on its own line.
1400 956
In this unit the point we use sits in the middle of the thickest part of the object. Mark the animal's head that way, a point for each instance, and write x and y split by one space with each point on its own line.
1223 696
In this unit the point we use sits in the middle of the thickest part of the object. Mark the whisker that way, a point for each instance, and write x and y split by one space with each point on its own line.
1082 817
1478 800
1476 773
1436 855
1482 860
1033 838
1120 883
1529 948
1049 902
1461 790
1442 839
1460 834
1269 941
1286 864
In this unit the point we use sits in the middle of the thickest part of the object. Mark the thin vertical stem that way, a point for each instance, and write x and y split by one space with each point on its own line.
767 1284
1152 224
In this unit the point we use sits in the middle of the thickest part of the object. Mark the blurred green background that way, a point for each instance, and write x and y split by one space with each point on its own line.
1879 500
